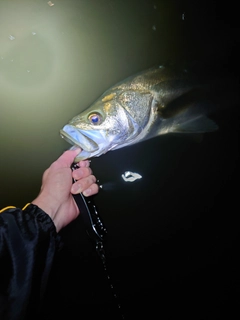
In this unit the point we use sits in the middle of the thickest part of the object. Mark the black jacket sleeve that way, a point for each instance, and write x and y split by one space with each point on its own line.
28 243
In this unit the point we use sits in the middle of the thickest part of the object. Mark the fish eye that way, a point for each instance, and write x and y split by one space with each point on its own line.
95 118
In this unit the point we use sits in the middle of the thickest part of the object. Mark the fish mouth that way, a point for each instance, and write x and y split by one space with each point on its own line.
85 139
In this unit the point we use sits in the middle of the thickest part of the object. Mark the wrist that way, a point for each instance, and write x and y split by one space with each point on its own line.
46 205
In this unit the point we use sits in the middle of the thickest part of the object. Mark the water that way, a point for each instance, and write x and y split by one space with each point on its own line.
173 234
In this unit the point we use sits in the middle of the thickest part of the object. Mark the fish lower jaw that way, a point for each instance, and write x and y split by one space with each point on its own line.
83 155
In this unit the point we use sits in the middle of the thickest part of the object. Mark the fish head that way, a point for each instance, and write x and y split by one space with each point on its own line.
112 122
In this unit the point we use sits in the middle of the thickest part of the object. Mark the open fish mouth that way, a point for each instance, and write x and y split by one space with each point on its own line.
79 138
92 142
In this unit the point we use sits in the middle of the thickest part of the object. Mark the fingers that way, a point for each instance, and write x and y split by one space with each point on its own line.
86 185
84 163
83 184
67 158
86 181
81 173
93 189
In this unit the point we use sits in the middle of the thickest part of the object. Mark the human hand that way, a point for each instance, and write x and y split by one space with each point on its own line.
55 196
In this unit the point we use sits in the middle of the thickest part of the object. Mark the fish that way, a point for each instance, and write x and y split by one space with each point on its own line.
151 103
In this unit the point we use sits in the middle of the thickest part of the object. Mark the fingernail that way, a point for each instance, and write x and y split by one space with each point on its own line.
87 192
77 149
76 189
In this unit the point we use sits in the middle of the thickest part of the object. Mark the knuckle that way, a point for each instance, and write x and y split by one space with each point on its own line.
93 178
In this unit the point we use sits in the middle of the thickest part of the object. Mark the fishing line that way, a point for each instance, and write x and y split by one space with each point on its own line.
97 231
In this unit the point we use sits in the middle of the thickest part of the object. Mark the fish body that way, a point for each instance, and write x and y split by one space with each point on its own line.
157 101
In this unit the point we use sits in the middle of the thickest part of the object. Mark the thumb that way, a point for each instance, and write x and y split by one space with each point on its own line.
67 158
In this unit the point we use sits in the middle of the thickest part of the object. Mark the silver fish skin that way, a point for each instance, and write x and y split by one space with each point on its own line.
157 101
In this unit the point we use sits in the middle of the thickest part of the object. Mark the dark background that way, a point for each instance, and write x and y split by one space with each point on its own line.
173 236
